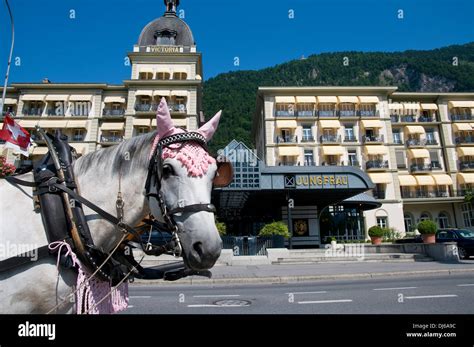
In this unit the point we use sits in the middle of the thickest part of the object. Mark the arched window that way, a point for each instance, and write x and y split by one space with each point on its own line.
425 216
165 37
408 220
443 220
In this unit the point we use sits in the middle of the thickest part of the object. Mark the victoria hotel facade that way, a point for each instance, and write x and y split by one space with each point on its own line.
417 148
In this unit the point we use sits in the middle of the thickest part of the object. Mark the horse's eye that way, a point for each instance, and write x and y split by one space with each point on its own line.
167 171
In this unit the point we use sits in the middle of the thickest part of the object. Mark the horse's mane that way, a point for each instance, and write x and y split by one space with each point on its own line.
131 153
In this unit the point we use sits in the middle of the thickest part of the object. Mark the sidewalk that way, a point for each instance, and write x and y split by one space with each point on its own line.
256 274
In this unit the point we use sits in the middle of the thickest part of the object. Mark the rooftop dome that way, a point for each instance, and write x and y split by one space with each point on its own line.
168 30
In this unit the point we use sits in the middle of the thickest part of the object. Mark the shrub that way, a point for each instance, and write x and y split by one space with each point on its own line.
427 227
221 228
376 231
5 168
391 234
275 228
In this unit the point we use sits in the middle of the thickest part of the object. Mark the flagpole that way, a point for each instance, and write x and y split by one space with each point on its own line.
9 58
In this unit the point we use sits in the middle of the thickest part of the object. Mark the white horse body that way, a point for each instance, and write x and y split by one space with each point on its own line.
36 287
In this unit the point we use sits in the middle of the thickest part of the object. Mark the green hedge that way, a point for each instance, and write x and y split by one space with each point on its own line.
427 227
376 231
275 228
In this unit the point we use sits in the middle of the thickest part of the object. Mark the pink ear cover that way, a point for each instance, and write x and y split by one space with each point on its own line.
208 129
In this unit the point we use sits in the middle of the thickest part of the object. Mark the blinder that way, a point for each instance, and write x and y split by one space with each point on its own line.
224 174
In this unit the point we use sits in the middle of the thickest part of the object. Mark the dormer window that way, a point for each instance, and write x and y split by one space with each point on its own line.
165 37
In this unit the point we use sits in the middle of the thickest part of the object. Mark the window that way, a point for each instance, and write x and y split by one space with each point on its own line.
425 216
382 222
307 133
163 76
435 164
401 163
165 37
349 133
308 157
397 138
180 76
367 110
142 130
408 220
443 220
467 215
430 137
352 156
78 135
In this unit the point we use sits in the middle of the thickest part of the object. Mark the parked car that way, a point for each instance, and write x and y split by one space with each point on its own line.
416 239
463 237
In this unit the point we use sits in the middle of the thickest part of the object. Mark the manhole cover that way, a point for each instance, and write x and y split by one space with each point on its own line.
232 303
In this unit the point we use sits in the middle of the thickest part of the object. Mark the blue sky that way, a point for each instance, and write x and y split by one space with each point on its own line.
92 47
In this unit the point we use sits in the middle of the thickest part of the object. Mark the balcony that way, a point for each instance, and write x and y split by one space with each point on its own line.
331 163
464 140
394 118
177 108
309 163
408 119
307 138
425 194
113 112
52 112
416 142
143 107
111 139
327 113
288 163
286 139
373 139
368 113
33 112
284 113
466 165
305 113
376 165
431 142
420 168
330 139
426 119
456 117
350 138
378 193
348 113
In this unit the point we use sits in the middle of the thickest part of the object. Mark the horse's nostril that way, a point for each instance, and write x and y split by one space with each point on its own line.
198 248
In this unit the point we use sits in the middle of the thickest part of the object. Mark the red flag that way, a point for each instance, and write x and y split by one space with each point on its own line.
15 136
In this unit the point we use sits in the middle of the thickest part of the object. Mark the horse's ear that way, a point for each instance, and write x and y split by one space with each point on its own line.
164 124
209 128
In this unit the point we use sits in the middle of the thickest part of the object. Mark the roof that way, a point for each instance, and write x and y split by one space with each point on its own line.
366 201
184 35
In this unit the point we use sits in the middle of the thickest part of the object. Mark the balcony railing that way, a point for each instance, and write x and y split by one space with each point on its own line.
330 138
309 163
52 112
426 119
353 163
305 113
33 112
111 138
288 163
286 139
113 112
372 139
416 142
431 142
368 113
347 113
180 108
143 107
466 165
284 113
425 194
327 113
455 117
398 141
332 163
420 167
307 138
464 139
379 193
408 119
350 138
394 118
376 164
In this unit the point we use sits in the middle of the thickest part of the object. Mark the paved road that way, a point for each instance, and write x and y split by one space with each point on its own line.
423 295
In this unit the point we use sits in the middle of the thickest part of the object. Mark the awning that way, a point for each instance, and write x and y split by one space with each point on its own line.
329 124
443 180
429 106
141 122
371 123
145 70
285 99
77 124
398 107
80 98
144 93
381 177
33 97
462 127
112 126
407 180
425 180
50 124
419 153
10 101
412 106
376 150
57 97
306 99
110 99
465 178
40 150
286 124
415 129
81 148
28 123
368 99
289 151
180 122
333 150
327 99
465 151
179 92
349 99
162 92
464 104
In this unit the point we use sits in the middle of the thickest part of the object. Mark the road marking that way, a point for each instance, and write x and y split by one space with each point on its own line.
296 293
211 305
140 297
431 296
400 288
466 285
216 296
131 306
324 301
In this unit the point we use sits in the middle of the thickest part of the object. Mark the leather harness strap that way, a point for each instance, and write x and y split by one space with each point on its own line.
24 258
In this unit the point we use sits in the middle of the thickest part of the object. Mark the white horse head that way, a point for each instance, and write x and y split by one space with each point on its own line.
188 174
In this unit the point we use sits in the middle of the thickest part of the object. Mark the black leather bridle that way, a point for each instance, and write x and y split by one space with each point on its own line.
155 176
